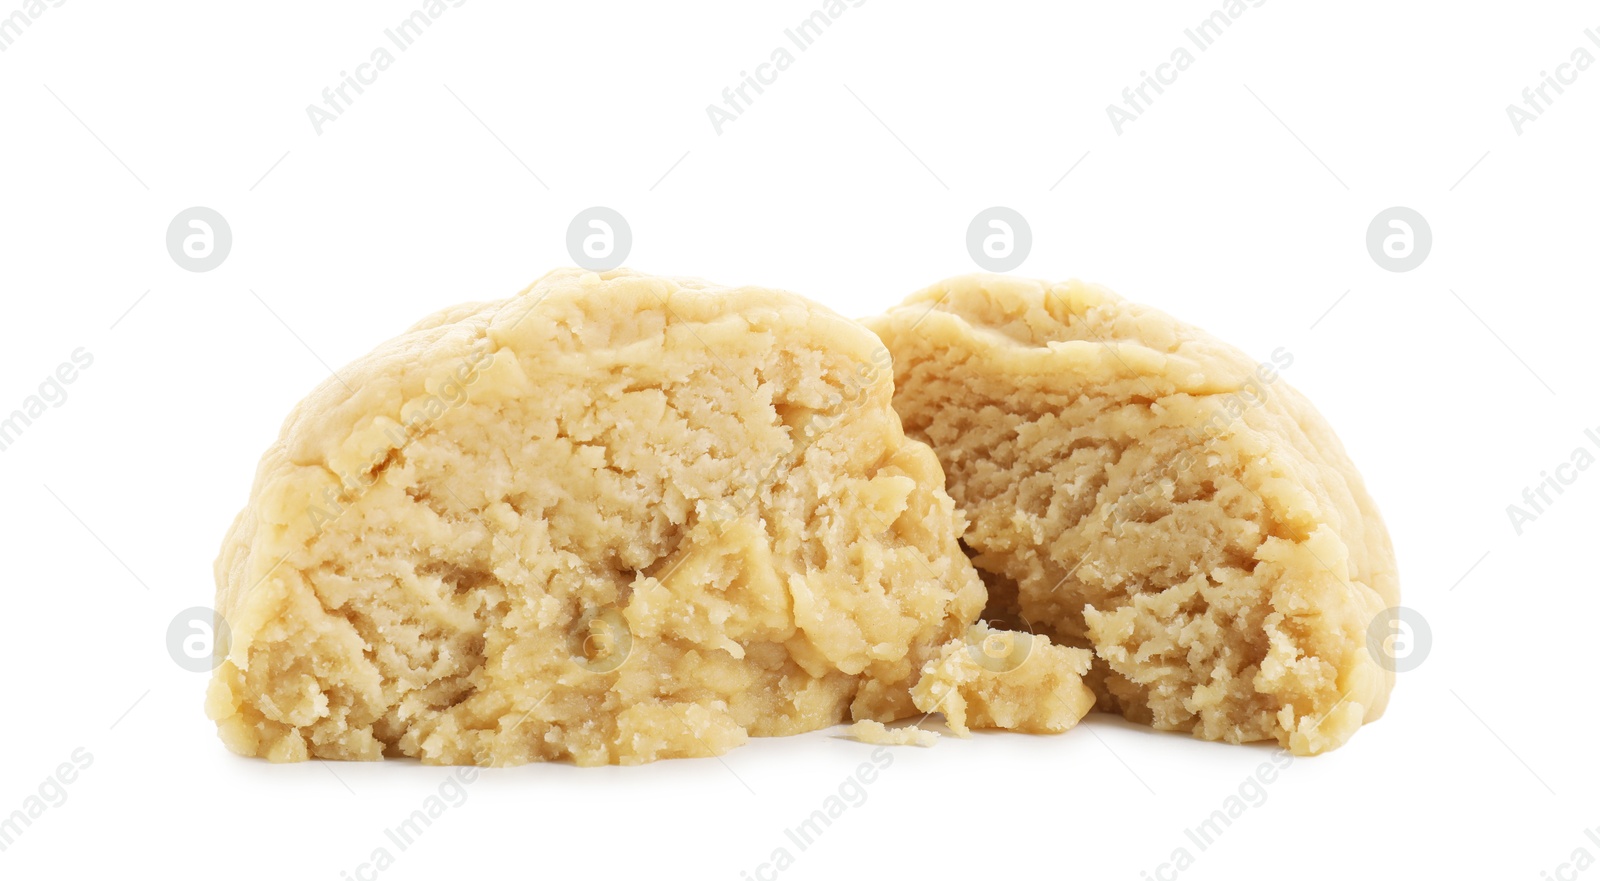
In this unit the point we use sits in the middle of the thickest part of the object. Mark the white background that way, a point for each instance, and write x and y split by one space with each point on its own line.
1239 201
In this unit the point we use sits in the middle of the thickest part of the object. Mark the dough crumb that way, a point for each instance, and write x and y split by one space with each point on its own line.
1132 484
868 731
610 520
1006 679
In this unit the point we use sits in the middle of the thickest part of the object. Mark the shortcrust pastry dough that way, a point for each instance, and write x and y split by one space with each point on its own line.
1134 486
612 519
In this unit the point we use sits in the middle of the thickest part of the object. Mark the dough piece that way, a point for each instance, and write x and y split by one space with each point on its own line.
1134 485
1006 679
868 731
612 519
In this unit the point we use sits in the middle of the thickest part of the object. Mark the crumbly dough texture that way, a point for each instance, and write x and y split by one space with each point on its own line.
612 519
1136 486
1005 679
869 731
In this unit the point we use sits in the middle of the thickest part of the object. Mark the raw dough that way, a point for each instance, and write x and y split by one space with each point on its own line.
612 519
868 731
1004 679
1134 485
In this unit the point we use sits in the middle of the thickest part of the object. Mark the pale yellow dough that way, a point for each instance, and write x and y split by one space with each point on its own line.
1002 679
868 731
1135 486
611 519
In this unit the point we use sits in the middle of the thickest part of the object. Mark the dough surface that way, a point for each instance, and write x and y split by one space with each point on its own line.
1134 486
868 731
1003 679
611 519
